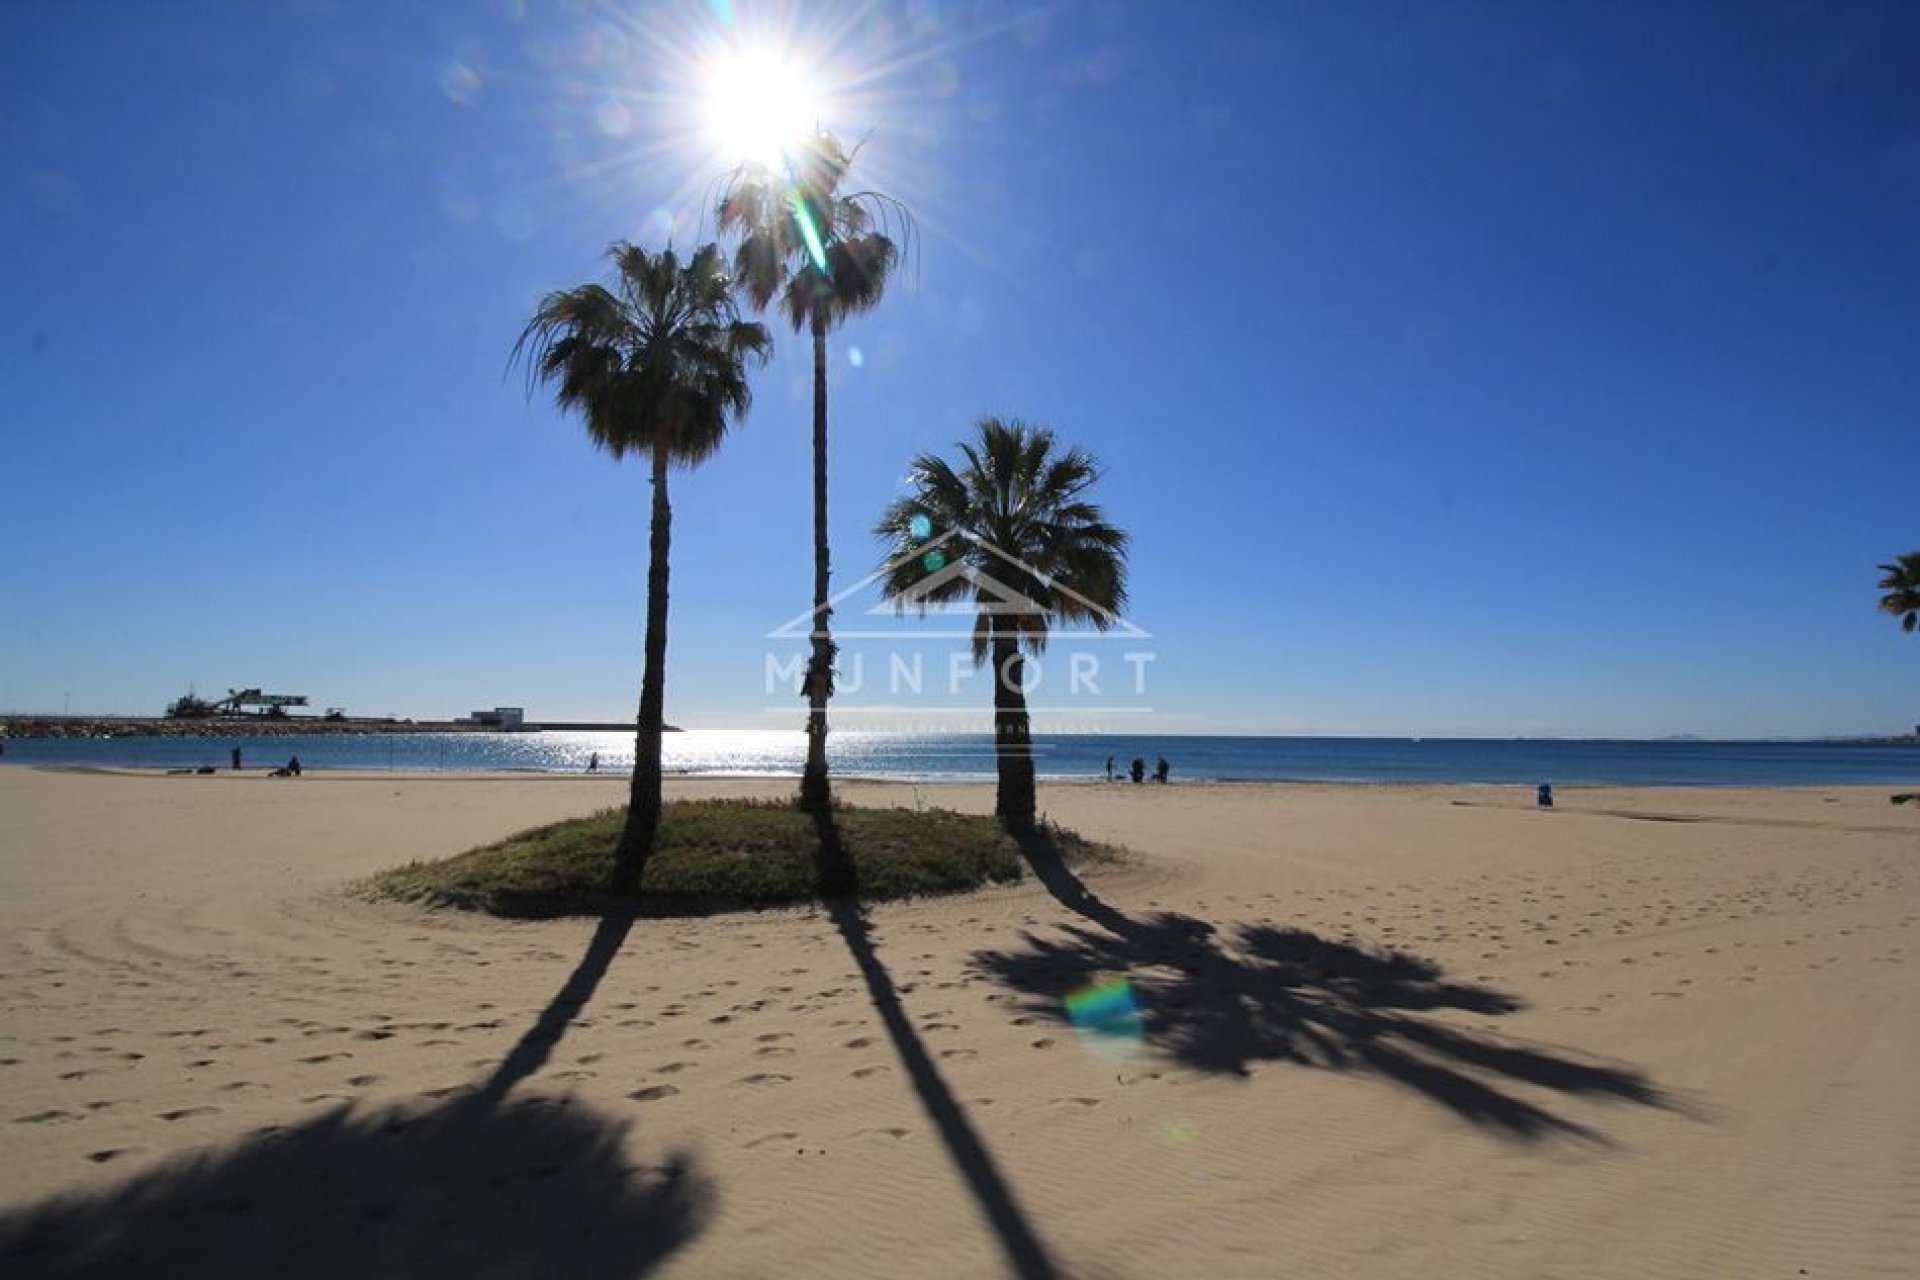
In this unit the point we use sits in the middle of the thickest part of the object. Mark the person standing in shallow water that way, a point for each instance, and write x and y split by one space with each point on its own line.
1138 770
236 759
1109 768
1161 770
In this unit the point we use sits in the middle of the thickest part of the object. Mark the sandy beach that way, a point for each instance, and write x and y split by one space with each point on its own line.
1382 1032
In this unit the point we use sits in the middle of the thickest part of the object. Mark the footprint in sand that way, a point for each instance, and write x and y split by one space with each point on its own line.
959 1054
188 1113
862 1073
764 1077
111 1153
1045 1042
45 1117
361 1082
769 1139
1081 1102
654 1093
860 1042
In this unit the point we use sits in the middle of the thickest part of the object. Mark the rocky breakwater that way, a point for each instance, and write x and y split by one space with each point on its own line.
214 726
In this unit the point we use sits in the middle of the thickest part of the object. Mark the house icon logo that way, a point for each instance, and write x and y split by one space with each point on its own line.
992 594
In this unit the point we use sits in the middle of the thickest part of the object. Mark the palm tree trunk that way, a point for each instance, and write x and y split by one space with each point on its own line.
643 798
814 793
835 868
1014 800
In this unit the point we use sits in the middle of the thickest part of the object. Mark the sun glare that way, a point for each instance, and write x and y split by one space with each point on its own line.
759 106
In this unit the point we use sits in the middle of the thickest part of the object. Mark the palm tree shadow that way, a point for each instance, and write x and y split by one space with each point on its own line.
1221 1001
537 1045
1026 1255
473 1185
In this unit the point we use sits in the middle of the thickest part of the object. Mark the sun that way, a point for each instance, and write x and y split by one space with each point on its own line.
759 106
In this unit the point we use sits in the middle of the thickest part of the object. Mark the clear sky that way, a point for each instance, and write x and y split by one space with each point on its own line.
1457 368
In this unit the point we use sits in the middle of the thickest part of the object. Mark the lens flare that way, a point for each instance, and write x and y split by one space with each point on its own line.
921 527
460 82
809 232
614 119
1107 1016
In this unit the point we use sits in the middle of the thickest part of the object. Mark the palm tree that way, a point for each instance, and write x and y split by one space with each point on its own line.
656 365
1902 585
1013 532
821 249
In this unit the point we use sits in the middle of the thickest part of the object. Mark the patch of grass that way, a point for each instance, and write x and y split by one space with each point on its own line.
717 855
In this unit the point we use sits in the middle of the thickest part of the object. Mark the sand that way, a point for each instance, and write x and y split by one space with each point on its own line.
1649 1033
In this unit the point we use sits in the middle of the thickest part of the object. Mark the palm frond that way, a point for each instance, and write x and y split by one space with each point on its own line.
1017 503
807 242
659 357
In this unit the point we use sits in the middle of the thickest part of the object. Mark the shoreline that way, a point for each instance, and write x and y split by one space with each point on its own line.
770 785
893 782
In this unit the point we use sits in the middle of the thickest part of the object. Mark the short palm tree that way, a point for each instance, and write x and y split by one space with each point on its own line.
1902 585
820 248
657 366
1012 532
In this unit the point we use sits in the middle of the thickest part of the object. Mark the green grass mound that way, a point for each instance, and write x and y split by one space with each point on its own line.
717 855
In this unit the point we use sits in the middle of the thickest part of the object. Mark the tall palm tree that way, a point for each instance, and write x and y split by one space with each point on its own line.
1013 532
1902 585
656 365
821 249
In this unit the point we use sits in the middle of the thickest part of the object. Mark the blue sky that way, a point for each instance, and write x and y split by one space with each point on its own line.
1458 368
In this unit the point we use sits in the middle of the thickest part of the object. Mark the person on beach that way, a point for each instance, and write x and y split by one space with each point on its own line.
236 759
1109 768
1161 770
293 766
1138 770
593 763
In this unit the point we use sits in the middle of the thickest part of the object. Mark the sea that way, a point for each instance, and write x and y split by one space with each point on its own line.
958 757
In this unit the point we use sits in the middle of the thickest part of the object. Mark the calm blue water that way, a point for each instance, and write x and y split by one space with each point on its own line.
962 757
